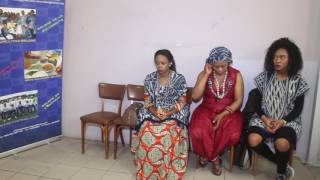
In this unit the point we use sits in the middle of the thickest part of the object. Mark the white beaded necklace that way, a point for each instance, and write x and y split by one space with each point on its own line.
220 96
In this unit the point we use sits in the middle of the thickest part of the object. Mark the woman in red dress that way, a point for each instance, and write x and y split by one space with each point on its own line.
217 122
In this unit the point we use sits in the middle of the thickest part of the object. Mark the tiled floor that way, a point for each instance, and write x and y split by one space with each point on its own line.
63 160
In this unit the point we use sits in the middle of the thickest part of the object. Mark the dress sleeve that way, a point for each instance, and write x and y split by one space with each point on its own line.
147 91
298 106
257 104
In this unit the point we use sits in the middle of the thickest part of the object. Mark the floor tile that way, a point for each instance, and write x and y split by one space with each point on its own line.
4 175
117 176
62 160
61 172
315 171
88 174
36 168
97 162
23 177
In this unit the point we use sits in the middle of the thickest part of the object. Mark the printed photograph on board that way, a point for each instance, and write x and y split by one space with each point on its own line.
17 24
42 64
18 107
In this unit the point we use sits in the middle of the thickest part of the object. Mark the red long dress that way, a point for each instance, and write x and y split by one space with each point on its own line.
205 141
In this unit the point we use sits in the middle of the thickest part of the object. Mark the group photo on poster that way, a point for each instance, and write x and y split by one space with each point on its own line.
42 64
19 106
17 24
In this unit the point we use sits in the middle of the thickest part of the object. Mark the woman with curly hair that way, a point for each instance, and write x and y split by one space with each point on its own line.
279 103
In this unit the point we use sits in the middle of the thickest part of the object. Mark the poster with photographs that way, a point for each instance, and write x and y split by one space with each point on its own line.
18 107
42 64
17 24
31 61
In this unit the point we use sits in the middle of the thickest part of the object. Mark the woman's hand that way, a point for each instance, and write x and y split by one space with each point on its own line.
217 120
161 114
269 123
276 125
208 69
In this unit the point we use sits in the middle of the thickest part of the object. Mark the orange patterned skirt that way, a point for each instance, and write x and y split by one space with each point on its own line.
161 150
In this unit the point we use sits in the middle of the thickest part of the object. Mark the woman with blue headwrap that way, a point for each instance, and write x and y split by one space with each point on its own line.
217 122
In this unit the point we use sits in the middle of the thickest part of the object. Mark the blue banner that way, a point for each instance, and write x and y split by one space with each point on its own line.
31 49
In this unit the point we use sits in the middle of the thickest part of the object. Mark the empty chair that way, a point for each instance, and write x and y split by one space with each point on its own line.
104 118
134 93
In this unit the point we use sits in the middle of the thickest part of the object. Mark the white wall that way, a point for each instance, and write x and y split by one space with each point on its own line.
114 41
314 149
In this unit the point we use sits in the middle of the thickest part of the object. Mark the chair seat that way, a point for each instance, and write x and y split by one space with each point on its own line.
103 118
121 122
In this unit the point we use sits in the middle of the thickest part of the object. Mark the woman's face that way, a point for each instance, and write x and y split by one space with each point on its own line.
281 60
220 67
162 64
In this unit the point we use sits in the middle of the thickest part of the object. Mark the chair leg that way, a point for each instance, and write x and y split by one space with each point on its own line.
106 141
231 158
115 141
198 161
121 136
254 163
130 137
83 128
290 157
189 141
102 135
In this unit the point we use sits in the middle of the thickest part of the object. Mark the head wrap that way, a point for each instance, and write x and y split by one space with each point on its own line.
219 54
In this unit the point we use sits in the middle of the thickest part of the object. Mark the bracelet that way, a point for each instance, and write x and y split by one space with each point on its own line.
284 121
149 105
227 108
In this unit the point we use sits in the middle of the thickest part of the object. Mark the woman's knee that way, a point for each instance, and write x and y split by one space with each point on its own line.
282 145
254 139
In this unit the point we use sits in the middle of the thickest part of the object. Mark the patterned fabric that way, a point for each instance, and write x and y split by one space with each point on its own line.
278 98
205 141
165 97
161 151
161 146
219 54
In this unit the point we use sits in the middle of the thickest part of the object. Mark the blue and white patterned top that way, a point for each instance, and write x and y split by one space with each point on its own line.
278 98
165 96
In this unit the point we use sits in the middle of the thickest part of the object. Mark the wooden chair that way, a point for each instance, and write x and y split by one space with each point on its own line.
255 157
104 118
134 93
189 101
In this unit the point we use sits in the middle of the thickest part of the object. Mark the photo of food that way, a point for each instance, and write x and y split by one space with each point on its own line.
42 64
18 107
17 24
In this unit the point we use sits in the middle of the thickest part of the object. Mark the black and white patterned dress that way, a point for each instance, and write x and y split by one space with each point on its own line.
278 98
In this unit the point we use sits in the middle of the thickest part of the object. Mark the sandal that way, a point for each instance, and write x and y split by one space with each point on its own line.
202 161
216 167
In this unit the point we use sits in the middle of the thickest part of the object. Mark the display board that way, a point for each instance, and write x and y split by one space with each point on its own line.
31 48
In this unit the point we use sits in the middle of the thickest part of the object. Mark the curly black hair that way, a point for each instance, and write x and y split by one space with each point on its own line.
168 55
295 57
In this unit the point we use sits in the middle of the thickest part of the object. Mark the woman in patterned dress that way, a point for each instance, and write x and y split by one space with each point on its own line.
279 105
161 141
217 122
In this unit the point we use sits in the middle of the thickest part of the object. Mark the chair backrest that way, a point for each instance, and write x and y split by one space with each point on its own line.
135 92
111 91
189 95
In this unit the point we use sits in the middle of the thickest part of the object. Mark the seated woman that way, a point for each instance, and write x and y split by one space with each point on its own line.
161 141
279 105
217 122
